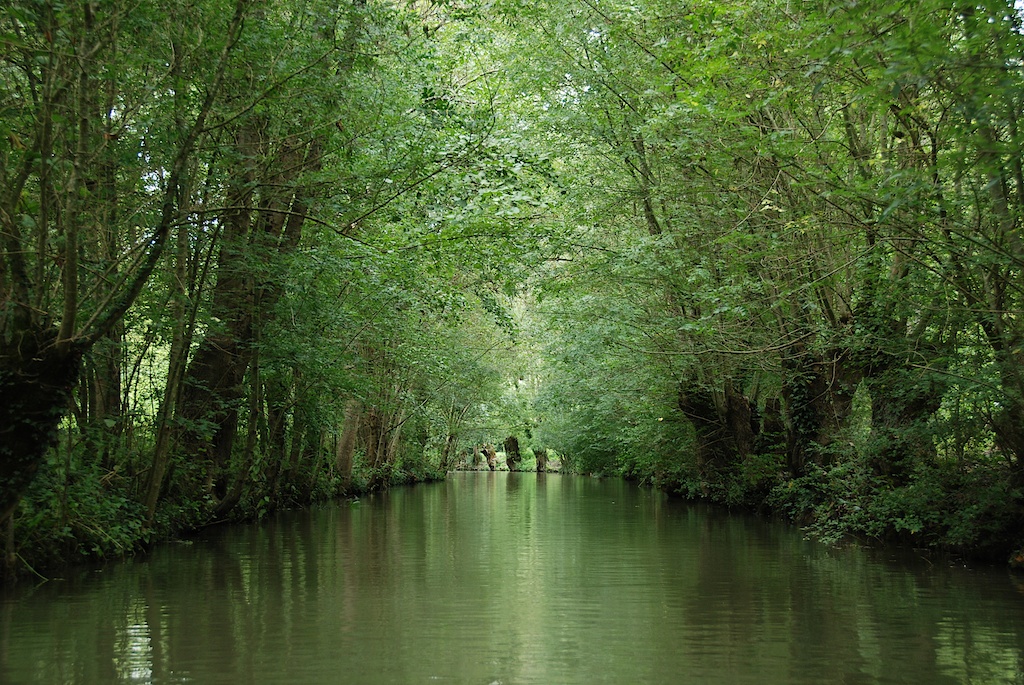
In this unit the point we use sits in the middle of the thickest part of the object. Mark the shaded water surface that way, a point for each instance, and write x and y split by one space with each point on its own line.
516 578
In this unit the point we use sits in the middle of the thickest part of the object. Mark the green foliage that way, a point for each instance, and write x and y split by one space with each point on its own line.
974 510
773 211
76 510
754 253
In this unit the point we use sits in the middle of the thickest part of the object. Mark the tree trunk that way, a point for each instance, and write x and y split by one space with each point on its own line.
183 317
103 421
725 431
347 444
542 459
36 381
233 494
449 451
208 410
296 449
208 413
818 393
393 435
278 400
373 439
243 298
512 456
903 398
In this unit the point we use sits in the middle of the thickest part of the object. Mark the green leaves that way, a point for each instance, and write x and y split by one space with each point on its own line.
759 203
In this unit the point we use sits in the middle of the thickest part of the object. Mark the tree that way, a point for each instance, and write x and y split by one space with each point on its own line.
66 279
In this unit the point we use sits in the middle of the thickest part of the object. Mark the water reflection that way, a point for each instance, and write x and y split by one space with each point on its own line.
516 578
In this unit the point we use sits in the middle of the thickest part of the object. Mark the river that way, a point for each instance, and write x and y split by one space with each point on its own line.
516 578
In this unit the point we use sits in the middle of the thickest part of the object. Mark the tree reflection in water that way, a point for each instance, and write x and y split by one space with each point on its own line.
522 577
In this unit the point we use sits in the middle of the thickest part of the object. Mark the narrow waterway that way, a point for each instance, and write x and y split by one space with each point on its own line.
516 578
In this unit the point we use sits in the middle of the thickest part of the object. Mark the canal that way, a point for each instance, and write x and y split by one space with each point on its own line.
517 578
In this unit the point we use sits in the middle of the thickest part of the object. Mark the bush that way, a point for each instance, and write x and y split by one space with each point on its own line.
76 511
971 509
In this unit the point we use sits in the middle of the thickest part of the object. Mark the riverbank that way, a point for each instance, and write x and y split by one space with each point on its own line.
49 535
972 514
975 513
70 518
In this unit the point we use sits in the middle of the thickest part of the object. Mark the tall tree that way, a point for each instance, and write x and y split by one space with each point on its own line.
75 115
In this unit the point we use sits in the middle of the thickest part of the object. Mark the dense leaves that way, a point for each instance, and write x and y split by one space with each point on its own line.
254 255
799 285
259 253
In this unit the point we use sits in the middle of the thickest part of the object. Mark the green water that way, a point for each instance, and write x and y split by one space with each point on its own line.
516 578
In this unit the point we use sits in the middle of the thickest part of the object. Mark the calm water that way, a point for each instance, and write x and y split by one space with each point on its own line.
514 578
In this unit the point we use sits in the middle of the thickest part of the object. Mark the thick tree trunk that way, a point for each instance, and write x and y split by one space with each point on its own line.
818 394
103 422
725 430
740 419
698 406
903 398
512 456
542 459
36 380
772 437
208 410
233 494
242 299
